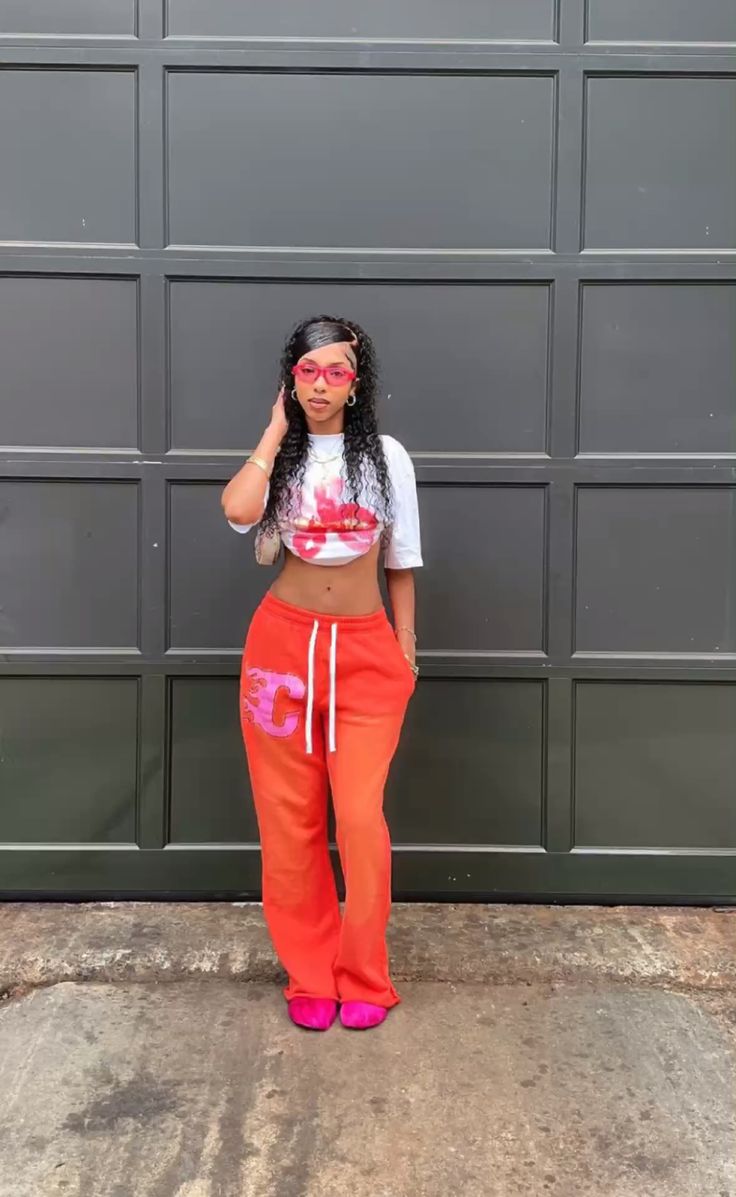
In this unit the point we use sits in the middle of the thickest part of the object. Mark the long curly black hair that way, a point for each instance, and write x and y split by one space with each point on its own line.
365 462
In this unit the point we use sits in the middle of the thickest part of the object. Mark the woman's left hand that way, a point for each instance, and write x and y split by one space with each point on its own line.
408 645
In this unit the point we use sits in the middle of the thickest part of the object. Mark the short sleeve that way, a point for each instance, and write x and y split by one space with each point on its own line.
247 527
404 548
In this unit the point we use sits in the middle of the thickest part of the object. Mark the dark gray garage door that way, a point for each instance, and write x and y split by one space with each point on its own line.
533 208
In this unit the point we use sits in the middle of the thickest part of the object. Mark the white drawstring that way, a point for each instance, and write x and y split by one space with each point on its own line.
333 665
310 685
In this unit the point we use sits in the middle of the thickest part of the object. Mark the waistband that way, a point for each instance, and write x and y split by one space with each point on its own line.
302 615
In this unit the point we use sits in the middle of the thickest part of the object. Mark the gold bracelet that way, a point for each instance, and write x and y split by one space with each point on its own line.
261 463
409 630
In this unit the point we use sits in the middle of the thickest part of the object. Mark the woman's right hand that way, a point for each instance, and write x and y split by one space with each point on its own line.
279 422
244 496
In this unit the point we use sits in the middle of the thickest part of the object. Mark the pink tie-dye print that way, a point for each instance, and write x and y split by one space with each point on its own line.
354 525
260 699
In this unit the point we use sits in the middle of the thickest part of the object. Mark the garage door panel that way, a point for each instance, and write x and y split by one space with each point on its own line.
671 391
209 799
655 569
215 582
464 368
660 163
469 767
505 19
661 21
67 145
654 765
247 186
48 18
69 760
479 783
483 588
70 565
69 349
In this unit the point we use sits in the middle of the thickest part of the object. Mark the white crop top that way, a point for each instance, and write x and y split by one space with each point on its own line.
331 531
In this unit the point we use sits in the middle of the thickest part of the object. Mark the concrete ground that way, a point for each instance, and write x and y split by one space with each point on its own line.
538 1051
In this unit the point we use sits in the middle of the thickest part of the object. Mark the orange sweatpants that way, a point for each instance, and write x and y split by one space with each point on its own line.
322 700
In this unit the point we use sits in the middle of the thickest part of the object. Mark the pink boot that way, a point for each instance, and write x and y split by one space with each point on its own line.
315 1013
361 1015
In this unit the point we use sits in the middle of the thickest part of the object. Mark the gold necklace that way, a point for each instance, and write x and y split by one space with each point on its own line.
323 462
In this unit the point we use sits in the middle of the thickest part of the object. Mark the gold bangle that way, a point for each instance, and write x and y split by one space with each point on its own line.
261 463
409 630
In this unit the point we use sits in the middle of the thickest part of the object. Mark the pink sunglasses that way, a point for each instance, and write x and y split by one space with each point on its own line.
334 376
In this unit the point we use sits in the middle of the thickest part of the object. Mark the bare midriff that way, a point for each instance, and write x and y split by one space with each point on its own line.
349 589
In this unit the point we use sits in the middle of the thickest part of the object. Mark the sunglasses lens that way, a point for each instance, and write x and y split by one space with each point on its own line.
337 376
306 373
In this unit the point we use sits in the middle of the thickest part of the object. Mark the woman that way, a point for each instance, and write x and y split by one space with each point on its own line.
325 680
